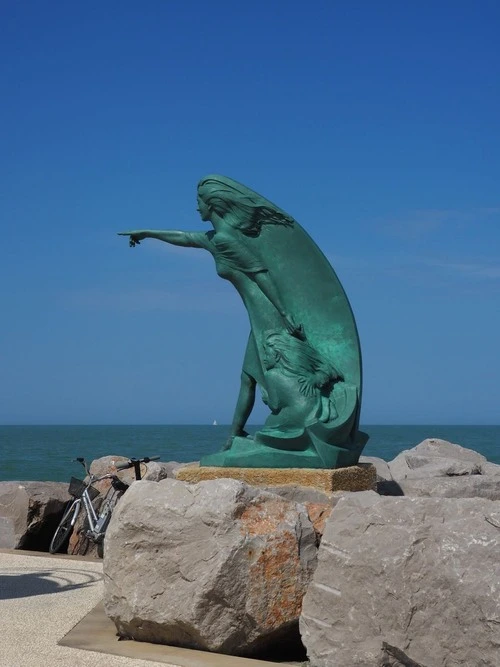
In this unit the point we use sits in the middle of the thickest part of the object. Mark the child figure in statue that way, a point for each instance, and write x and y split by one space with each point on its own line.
300 383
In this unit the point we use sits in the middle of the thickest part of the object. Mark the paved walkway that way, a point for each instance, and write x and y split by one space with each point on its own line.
42 599
45 598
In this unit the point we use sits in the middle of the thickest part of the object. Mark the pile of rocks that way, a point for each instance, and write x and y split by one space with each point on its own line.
408 576
411 579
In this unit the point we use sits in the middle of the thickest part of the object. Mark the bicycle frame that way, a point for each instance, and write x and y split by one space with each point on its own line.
89 509
91 513
97 521
75 506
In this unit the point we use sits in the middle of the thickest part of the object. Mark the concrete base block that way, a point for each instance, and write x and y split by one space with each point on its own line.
361 477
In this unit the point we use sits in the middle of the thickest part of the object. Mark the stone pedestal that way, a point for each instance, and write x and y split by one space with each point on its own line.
361 477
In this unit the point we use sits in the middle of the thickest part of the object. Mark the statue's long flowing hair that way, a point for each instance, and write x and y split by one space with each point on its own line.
297 358
244 209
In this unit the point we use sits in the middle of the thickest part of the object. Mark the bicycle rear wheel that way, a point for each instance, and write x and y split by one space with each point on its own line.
64 529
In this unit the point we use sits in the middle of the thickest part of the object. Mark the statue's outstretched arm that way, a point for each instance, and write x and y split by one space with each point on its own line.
187 239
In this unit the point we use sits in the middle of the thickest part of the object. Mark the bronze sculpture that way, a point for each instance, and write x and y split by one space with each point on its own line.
303 351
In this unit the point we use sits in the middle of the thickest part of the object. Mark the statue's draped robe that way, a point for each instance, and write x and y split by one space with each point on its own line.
310 293
237 260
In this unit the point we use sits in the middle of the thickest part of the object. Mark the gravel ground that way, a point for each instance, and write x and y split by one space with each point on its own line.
41 599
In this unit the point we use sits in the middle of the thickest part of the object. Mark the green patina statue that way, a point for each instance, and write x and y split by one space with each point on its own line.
303 351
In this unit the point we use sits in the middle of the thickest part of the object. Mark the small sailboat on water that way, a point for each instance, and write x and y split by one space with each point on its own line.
215 423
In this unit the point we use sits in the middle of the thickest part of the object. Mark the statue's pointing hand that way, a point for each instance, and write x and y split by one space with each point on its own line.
135 238
293 328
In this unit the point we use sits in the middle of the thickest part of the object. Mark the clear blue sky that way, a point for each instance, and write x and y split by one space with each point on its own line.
375 124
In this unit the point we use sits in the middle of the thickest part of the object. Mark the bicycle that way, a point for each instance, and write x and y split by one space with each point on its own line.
84 494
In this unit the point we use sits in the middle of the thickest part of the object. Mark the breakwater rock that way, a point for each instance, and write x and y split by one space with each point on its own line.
30 513
402 579
406 582
440 469
407 576
218 565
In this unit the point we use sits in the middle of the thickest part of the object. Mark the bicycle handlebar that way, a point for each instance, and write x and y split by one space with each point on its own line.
136 464
131 462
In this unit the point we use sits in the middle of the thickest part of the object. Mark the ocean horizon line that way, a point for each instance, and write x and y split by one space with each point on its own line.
256 425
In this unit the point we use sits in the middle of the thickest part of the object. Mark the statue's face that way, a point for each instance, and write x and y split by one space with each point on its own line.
203 210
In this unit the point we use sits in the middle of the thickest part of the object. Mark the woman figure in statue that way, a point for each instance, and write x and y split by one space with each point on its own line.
239 218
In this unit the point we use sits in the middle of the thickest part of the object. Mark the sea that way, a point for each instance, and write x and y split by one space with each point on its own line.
47 453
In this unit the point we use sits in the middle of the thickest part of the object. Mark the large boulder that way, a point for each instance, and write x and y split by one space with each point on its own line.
436 458
79 544
442 469
218 565
30 513
406 582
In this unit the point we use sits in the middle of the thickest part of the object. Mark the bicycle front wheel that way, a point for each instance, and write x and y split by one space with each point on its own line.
64 529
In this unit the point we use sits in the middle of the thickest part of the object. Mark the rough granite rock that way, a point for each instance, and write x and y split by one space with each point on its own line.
411 466
318 513
406 581
302 494
470 486
319 505
158 470
385 484
438 447
153 471
381 466
490 468
436 458
8 537
218 565
442 469
30 512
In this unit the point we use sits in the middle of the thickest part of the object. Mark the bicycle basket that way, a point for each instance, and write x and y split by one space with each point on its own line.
78 486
